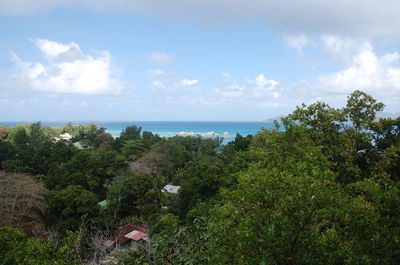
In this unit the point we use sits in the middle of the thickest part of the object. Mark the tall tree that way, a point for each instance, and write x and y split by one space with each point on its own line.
287 209
21 139
132 132
36 136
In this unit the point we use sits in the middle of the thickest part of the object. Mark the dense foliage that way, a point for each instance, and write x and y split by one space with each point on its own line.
323 187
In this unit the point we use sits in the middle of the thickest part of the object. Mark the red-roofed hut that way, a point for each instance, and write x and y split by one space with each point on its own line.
130 236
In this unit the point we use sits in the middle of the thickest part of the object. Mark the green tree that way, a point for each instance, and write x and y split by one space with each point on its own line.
133 147
131 132
127 195
200 180
17 248
70 207
287 209
344 134
149 139
36 135
7 152
92 170
239 144
361 109
20 139
40 159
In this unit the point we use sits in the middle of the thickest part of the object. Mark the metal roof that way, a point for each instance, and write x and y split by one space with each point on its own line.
171 189
119 236
136 235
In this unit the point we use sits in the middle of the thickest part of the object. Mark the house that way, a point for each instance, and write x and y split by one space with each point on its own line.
78 145
65 136
171 189
131 236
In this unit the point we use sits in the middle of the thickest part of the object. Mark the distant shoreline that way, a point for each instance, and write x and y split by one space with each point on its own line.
171 129
212 133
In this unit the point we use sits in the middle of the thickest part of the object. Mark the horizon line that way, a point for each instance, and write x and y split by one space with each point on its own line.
94 121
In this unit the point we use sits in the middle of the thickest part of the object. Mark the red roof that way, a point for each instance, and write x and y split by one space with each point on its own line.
119 236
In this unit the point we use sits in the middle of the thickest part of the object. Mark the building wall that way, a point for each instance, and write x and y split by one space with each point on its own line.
129 244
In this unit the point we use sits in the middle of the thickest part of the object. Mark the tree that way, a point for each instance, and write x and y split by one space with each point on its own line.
131 132
36 136
200 180
92 170
69 207
133 147
16 248
21 138
7 152
125 196
3 133
149 139
40 159
239 144
287 209
152 163
361 109
342 133
21 206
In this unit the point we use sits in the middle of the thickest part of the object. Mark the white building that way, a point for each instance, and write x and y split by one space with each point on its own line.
171 189
65 136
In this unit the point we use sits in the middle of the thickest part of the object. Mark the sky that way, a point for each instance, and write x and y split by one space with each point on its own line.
184 60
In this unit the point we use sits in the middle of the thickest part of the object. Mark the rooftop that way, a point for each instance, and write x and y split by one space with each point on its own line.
136 235
171 189
120 236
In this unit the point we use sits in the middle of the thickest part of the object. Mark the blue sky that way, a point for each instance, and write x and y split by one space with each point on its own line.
192 60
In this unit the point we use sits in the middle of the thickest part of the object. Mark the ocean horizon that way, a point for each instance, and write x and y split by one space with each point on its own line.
169 128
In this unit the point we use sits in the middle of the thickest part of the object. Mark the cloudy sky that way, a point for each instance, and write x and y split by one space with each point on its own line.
228 60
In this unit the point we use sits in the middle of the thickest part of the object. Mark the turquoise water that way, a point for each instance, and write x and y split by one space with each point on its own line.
171 128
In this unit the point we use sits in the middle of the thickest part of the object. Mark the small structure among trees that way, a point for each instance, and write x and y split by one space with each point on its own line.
131 236
171 189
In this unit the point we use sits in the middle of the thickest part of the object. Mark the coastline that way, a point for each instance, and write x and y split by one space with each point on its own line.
212 133
226 130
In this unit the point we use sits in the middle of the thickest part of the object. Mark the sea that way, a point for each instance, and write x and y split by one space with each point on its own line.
169 128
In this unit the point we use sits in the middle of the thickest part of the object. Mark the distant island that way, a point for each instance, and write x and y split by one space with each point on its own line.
212 133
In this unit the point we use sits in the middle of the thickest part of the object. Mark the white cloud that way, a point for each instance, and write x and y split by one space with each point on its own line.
367 71
258 91
170 89
262 82
368 18
53 49
157 72
296 41
161 58
187 82
67 70
343 49
360 68
158 84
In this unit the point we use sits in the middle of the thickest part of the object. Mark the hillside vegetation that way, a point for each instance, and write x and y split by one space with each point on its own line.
322 188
